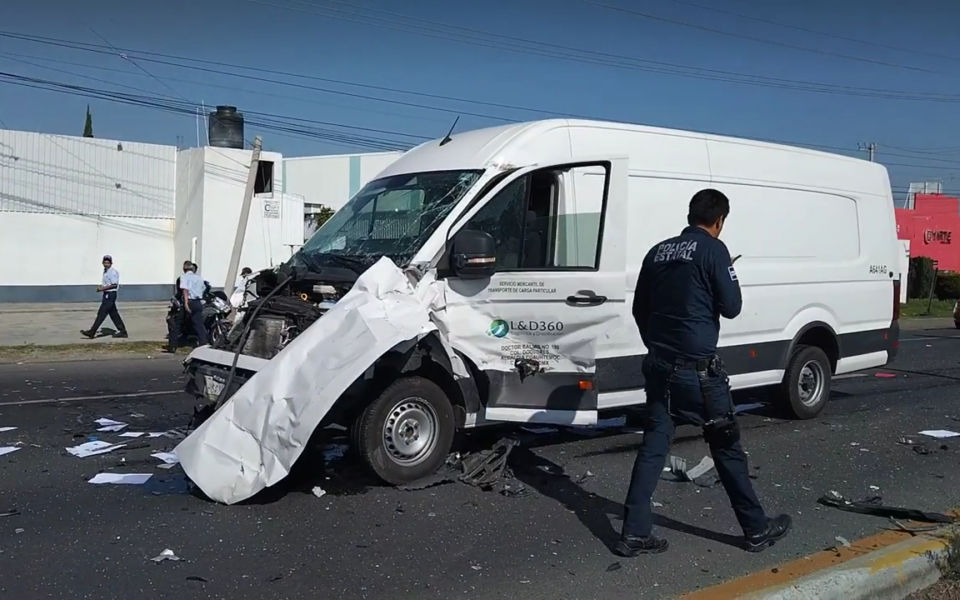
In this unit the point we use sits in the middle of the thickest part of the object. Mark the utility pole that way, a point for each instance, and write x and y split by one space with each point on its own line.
871 148
228 285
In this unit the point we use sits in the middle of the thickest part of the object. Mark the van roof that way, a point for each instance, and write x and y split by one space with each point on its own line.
480 148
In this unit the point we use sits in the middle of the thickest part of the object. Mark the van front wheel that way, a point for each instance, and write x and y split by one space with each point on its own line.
406 433
806 384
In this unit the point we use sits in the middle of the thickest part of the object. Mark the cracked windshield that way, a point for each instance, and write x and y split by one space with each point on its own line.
390 217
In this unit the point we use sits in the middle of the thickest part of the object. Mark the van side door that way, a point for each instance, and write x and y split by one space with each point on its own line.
532 329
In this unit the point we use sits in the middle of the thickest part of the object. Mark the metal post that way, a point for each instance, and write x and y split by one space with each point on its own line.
933 284
228 285
871 149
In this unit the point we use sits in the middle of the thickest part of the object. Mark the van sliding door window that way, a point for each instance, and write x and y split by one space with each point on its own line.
548 219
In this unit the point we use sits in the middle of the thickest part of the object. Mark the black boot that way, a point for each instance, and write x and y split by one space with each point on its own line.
88 333
776 529
120 334
632 545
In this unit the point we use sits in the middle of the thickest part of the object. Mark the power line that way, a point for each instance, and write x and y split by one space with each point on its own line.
815 32
540 48
661 19
187 108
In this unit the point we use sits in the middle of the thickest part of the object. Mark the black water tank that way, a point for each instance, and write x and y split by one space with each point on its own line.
225 127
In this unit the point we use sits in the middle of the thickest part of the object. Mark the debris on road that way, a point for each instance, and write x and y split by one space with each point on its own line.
905 441
121 478
742 408
900 526
169 458
940 433
197 578
318 491
873 506
885 375
167 554
8 449
6 429
109 425
614 567
133 434
922 450
334 452
585 476
843 540
539 430
678 468
486 470
19 530
93 448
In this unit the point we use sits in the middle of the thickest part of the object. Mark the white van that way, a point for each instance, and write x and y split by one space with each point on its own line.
535 234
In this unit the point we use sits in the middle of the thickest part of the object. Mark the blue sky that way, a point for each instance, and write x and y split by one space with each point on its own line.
459 49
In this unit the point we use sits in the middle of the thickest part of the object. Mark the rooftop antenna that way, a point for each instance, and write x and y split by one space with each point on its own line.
447 139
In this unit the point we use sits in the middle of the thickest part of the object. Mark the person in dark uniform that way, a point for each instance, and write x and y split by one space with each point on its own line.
685 285
108 302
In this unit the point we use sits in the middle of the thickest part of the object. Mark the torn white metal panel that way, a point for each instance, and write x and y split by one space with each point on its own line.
252 441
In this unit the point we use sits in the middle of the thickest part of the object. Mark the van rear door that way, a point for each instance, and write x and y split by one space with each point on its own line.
533 327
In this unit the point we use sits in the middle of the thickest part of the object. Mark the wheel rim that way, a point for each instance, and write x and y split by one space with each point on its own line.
811 383
410 431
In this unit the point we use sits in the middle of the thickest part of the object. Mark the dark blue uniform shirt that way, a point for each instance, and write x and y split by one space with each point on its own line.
686 284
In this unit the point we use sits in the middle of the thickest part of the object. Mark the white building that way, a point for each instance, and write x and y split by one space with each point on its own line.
66 201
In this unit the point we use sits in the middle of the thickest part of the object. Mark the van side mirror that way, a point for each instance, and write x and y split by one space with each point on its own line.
473 254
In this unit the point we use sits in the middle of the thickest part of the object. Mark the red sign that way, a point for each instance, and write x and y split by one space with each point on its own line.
936 237
930 226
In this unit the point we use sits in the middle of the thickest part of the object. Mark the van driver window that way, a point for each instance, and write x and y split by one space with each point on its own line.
548 219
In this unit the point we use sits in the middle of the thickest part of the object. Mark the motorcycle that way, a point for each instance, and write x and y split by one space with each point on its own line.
216 310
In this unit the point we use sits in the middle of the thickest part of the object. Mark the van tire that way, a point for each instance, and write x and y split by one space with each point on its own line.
806 384
406 433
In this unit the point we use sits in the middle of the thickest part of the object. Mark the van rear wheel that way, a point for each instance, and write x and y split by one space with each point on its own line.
806 384
406 433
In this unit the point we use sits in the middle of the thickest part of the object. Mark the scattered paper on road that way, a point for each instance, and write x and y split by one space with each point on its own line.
940 433
108 422
112 428
169 458
156 434
121 478
4 429
133 434
93 448
8 449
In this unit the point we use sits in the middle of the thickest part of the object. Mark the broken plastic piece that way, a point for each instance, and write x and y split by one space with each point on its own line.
843 541
93 448
885 375
169 458
940 433
8 449
319 492
121 478
872 506
678 466
167 554
5 429
112 428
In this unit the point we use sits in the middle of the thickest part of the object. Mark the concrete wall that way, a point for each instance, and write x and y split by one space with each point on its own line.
66 201
211 183
332 180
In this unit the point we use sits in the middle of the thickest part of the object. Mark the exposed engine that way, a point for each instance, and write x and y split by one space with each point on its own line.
279 316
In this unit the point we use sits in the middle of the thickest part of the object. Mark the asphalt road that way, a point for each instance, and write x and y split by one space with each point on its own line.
75 540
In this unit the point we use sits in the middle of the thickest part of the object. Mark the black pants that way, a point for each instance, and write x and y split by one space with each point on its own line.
689 396
108 307
176 324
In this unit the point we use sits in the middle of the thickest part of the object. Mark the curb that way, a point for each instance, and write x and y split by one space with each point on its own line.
892 571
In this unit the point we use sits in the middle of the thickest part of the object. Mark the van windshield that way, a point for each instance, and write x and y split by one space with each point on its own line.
392 216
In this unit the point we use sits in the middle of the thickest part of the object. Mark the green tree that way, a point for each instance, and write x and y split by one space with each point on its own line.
322 215
88 124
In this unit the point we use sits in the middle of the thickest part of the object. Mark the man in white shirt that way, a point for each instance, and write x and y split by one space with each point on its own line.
192 288
108 303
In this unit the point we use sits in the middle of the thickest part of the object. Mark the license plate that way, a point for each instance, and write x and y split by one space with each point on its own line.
212 387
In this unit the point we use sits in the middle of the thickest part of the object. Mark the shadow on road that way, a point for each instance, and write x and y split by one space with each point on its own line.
595 512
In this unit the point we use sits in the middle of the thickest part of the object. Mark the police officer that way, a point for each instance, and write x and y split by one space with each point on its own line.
193 287
686 284
108 302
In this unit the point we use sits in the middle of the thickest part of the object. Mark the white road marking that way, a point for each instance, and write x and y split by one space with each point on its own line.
101 397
